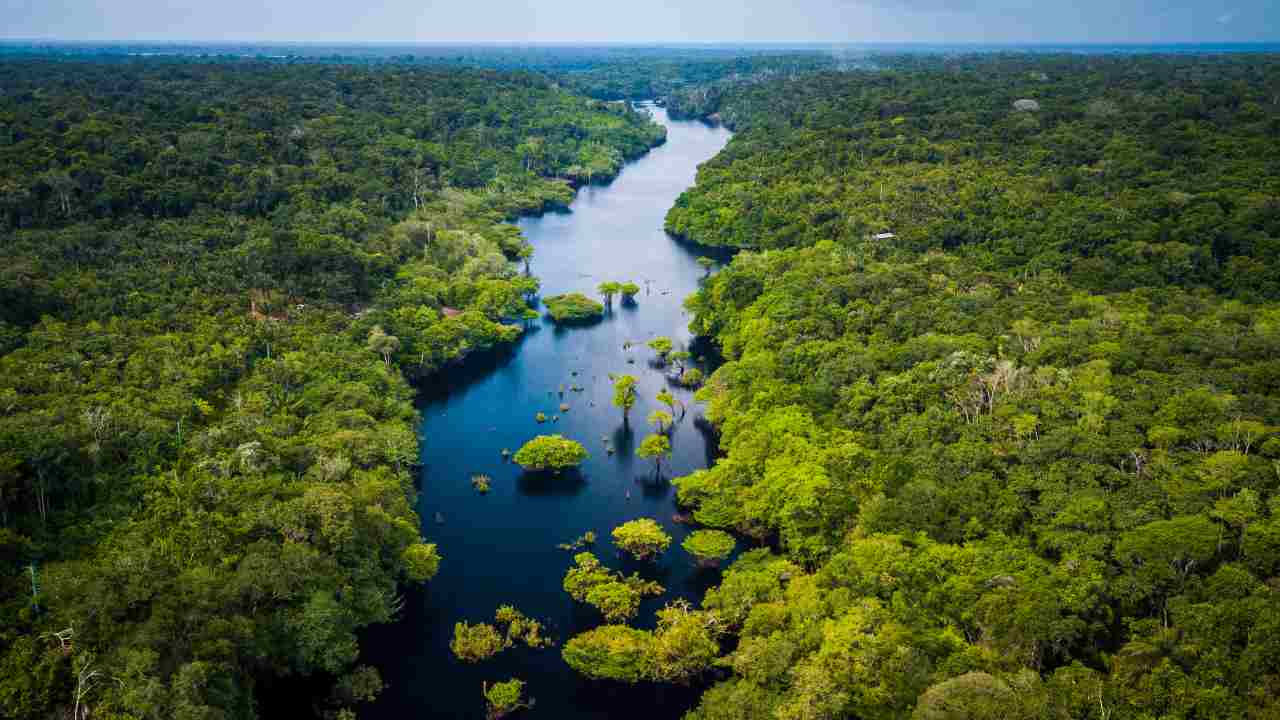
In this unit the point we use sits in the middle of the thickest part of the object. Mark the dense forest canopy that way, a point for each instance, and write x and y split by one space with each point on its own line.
998 415
1001 389
214 279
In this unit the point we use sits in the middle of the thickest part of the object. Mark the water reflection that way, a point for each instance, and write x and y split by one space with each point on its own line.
501 548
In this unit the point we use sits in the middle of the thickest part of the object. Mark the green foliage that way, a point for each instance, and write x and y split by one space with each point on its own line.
1018 457
473 643
612 652
214 284
572 308
503 698
662 346
421 561
661 419
683 647
709 548
692 378
656 447
629 290
550 452
615 596
609 289
643 539
624 393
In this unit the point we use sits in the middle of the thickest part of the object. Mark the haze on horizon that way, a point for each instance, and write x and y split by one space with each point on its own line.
679 21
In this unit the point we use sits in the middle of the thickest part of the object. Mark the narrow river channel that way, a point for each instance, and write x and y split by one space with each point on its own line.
501 548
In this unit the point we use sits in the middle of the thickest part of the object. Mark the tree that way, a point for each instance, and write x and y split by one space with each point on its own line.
421 561
684 646
473 643
660 419
383 344
612 652
666 398
503 698
681 359
706 263
643 539
691 378
662 346
709 548
615 596
550 452
624 394
657 447
608 289
573 308
629 291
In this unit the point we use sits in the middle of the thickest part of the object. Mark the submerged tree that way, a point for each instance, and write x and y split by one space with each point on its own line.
629 291
666 398
473 643
609 289
655 447
643 539
617 597
550 452
624 394
706 263
661 345
503 698
660 419
681 359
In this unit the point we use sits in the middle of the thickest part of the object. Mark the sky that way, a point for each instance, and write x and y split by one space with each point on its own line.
645 21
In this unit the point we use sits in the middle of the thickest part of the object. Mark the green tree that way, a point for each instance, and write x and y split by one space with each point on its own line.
624 394
612 652
643 539
550 452
609 289
421 561
615 596
709 548
662 346
660 419
473 643
503 698
657 447
383 344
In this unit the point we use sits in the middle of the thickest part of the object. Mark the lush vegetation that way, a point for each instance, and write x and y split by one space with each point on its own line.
213 281
616 596
1019 453
573 308
709 548
642 539
473 643
550 452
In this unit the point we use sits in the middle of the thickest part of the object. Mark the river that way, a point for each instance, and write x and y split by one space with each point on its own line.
501 548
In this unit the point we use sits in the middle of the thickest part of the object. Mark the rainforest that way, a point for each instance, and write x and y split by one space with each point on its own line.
705 383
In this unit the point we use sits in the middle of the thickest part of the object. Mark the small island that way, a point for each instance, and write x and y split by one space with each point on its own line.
573 308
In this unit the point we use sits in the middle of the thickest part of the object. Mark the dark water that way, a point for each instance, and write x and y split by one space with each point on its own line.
500 548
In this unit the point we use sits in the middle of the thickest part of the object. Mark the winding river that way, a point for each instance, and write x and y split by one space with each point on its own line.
501 548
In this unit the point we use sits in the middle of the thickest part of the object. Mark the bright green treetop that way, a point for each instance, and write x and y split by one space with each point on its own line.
643 539
550 452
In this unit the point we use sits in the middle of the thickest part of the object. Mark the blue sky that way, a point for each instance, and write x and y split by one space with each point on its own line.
508 21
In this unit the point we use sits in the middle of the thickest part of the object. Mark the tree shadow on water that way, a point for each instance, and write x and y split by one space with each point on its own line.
544 483
623 442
